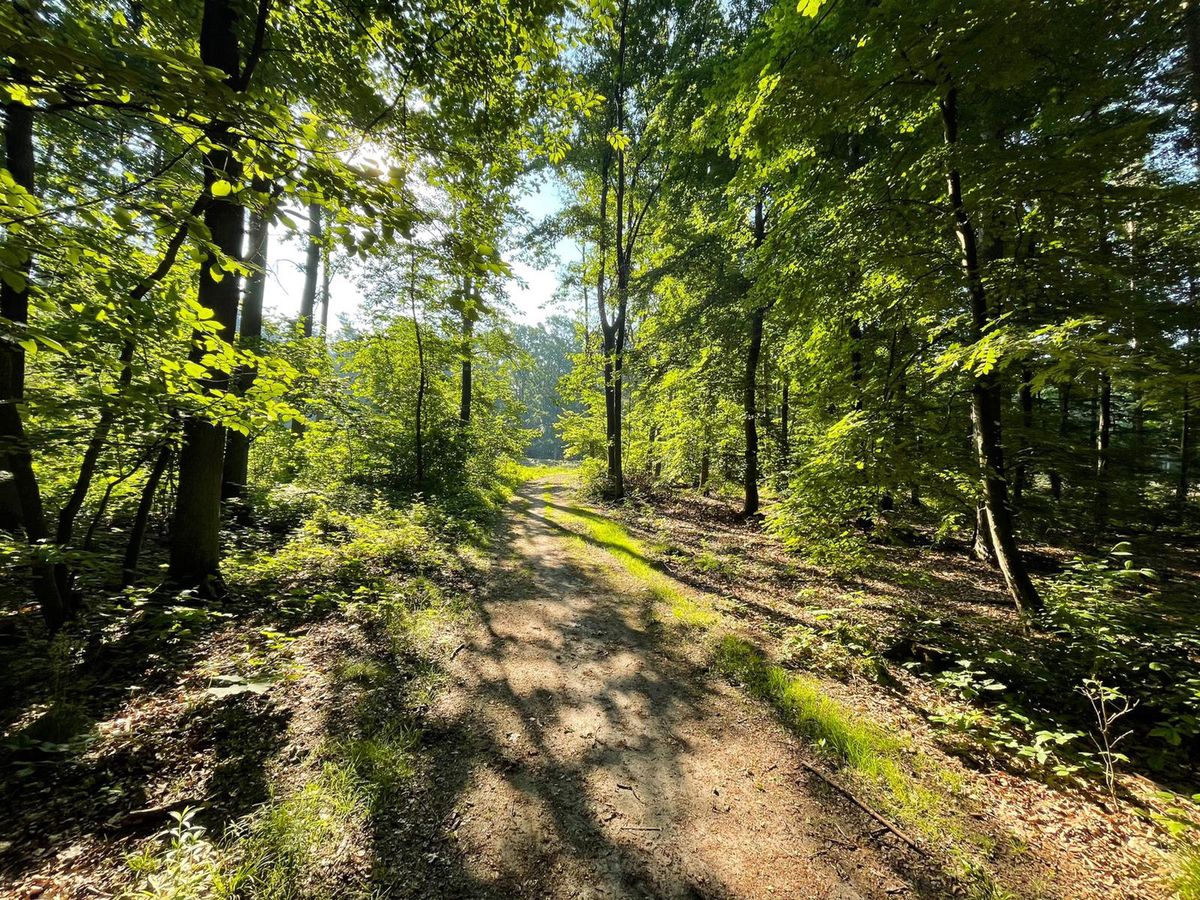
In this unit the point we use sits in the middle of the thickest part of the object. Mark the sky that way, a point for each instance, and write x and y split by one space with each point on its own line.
531 290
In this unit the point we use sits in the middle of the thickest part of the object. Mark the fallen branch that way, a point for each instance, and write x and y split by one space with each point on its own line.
151 813
640 828
829 780
626 787
457 650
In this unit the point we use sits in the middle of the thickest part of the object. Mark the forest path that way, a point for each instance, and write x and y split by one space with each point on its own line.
583 756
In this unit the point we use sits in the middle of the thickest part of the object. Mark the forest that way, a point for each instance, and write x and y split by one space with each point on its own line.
829 528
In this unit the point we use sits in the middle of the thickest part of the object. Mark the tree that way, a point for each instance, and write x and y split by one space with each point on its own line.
195 529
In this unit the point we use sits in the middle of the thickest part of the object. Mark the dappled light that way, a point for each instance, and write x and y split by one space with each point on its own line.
599 449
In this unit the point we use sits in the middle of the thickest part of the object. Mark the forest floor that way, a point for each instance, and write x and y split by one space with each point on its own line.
598 703
600 757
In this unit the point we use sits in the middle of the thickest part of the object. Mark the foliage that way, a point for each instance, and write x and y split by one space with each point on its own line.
1033 697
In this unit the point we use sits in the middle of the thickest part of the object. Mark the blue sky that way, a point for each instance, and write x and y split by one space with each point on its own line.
531 290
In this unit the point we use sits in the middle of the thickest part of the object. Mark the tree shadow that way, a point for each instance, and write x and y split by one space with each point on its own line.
566 773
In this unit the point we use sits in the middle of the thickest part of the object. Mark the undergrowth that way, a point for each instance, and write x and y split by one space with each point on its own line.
390 575
1187 874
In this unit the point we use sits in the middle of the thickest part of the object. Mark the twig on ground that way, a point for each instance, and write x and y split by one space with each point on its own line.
828 779
457 650
625 787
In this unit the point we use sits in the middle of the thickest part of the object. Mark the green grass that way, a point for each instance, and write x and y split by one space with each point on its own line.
298 842
284 848
808 711
614 538
279 853
871 755
542 470
1187 873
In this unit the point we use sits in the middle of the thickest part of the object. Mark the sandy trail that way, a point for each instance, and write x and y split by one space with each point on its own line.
581 756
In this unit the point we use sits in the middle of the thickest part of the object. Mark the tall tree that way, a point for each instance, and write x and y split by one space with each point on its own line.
195 530
25 499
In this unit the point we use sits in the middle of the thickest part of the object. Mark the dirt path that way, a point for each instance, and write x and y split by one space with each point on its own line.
581 756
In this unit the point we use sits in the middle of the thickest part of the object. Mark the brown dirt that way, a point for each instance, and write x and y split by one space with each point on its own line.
1050 840
596 758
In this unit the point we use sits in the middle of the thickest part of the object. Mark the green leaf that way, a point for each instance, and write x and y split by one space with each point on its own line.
13 279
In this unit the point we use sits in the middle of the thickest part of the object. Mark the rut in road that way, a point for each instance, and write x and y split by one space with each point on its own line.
584 755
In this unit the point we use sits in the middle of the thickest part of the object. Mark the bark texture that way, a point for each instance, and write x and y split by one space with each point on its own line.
985 395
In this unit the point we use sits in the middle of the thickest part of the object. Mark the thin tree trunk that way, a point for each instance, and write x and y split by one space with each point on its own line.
613 330
785 446
1064 428
856 363
421 384
312 265
1103 439
237 444
1192 27
25 500
749 406
468 331
1020 482
985 398
308 295
1183 485
981 545
102 507
137 534
325 277
195 530
750 502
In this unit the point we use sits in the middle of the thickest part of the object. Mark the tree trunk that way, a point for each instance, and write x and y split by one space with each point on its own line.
137 534
1183 485
613 329
196 526
24 501
325 276
785 446
749 407
985 397
750 383
856 363
419 447
1103 438
1192 27
312 265
468 332
981 545
421 384
1020 482
237 444
1064 428
705 458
